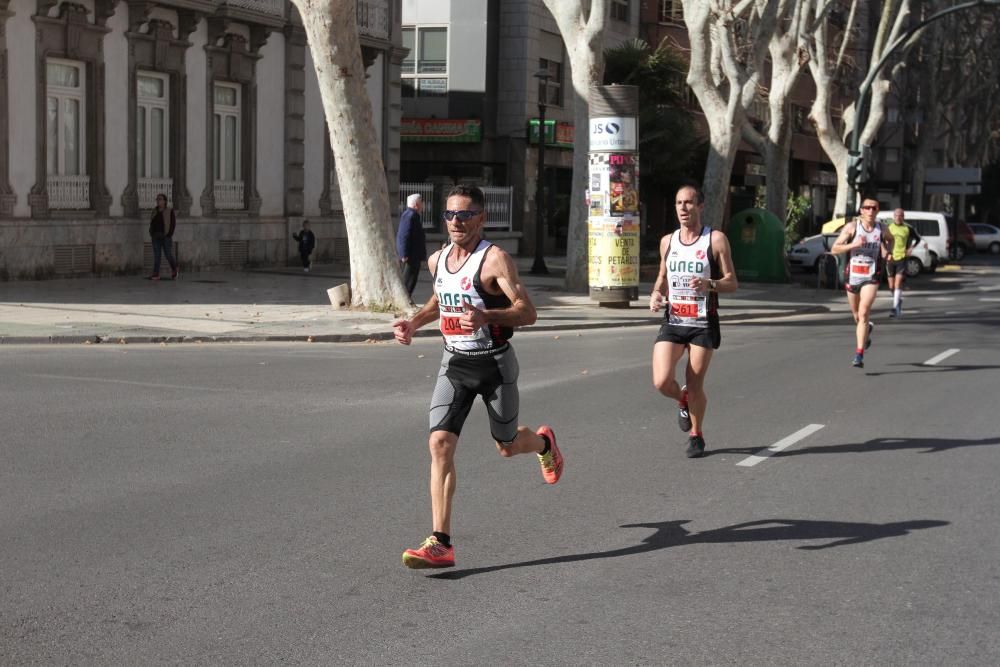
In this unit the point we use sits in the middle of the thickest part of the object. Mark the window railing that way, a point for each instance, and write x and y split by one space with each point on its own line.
373 18
150 187
229 196
273 7
68 192
428 217
499 206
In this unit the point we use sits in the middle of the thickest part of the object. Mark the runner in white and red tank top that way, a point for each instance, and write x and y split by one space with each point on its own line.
695 265
479 300
867 244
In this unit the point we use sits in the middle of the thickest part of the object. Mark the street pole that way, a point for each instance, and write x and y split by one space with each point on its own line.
539 268
861 117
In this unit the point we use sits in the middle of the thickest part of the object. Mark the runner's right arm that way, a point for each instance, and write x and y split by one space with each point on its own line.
660 287
842 244
403 328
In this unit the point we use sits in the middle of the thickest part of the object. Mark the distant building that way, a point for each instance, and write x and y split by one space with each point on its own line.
470 96
214 103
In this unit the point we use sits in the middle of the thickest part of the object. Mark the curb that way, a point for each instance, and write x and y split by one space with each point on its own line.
377 336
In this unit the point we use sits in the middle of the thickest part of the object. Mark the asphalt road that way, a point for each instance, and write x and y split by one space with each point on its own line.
248 504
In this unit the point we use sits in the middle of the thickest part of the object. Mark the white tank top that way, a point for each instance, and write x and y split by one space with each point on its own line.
688 307
453 290
864 261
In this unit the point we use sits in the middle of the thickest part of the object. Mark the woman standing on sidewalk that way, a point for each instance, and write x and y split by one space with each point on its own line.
161 231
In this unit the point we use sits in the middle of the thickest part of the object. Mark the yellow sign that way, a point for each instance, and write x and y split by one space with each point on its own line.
613 252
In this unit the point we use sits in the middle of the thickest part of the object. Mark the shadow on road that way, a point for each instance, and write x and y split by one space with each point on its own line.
672 534
941 368
929 446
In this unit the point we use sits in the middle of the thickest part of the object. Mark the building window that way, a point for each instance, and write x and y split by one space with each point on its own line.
152 133
66 130
227 130
425 68
620 10
551 91
671 11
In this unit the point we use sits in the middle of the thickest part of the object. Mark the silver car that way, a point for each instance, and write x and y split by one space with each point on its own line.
987 237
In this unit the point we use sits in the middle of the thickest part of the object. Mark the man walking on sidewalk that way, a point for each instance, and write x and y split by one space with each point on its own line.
479 299
695 265
866 242
411 244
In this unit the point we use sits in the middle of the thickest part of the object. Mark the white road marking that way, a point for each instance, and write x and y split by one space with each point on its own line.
940 298
989 298
989 288
940 357
784 443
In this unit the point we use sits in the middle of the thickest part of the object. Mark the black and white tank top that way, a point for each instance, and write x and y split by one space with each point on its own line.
465 286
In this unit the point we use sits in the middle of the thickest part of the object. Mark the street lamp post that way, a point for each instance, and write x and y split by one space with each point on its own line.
538 267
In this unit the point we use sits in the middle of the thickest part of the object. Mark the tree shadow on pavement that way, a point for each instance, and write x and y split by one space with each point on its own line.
672 534
928 445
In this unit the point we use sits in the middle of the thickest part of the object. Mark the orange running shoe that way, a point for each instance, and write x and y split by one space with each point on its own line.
430 554
552 462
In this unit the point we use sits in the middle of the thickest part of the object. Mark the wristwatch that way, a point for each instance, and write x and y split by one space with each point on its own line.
713 285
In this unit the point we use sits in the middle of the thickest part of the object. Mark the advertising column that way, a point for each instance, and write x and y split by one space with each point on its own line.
613 195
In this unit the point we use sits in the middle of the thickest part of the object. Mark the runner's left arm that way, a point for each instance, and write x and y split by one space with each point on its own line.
887 242
724 256
499 267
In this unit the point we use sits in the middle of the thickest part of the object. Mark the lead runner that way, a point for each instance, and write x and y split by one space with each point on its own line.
479 299
695 265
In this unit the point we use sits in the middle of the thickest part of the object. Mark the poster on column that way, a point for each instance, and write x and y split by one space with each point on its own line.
623 183
613 251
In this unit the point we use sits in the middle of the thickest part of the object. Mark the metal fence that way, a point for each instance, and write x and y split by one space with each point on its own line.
499 204
426 191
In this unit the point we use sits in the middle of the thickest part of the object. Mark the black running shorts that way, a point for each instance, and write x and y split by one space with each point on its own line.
894 266
462 378
709 337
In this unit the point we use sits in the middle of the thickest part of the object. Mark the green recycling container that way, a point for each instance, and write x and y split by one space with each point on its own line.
757 238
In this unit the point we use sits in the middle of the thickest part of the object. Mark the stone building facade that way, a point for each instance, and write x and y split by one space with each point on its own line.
214 103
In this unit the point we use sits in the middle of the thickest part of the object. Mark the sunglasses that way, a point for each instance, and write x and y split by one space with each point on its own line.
869 208
461 215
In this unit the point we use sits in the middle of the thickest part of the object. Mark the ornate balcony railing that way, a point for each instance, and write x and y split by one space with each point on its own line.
229 196
68 192
373 18
150 187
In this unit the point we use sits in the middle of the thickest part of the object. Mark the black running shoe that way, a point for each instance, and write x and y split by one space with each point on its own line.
859 361
868 341
683 416
696 447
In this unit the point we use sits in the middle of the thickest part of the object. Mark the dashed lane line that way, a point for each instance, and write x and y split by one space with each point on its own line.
784 443
938 358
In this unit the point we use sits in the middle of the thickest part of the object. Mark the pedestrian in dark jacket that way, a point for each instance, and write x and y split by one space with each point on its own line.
161 231
307 243
411 245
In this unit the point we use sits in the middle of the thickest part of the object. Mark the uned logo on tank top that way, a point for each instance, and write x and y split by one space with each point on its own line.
466 282
700 254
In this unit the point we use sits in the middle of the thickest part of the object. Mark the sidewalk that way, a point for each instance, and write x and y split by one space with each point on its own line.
285 304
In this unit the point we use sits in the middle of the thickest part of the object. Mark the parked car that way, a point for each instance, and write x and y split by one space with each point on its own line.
965 240
933 230
987 237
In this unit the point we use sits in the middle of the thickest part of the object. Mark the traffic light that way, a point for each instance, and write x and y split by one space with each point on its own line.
860 166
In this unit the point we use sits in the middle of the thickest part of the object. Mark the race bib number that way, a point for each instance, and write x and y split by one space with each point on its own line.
862 267
687 310
452 330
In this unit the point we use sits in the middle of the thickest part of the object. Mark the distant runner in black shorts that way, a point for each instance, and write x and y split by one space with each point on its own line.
695 265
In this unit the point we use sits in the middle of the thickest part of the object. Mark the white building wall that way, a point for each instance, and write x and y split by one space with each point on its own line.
21 86
270 125
467 46
116 107
315 141
197 134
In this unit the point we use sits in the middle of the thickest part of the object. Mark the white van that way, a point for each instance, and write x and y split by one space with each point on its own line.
933 230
